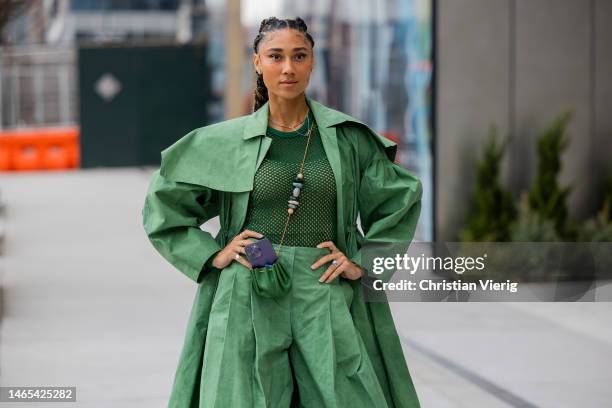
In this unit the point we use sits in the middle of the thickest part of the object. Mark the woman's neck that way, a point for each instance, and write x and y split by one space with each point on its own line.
287 112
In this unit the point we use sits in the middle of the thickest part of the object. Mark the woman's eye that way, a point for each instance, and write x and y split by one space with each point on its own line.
275 57
300 56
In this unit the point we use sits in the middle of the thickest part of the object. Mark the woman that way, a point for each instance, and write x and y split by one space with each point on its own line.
320 344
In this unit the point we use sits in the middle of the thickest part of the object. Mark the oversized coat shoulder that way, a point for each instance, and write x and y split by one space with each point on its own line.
209 156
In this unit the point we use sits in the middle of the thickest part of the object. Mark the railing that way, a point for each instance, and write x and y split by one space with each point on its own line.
38 87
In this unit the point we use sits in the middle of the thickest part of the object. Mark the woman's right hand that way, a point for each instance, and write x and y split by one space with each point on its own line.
234 248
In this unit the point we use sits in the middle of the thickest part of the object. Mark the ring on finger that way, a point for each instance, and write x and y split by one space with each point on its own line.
334 262
237 256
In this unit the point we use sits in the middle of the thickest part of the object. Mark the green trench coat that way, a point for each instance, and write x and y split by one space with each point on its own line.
210 172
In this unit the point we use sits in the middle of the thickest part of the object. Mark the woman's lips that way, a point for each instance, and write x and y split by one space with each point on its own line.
288 83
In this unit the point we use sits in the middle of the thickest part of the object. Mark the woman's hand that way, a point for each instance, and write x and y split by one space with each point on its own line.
343 266
234 248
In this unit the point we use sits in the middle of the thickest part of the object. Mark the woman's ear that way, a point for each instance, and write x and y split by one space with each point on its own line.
256 63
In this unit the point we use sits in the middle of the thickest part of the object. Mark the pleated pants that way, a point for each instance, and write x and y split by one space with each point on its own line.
300 350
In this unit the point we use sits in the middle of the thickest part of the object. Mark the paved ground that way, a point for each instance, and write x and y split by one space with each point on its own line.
88 302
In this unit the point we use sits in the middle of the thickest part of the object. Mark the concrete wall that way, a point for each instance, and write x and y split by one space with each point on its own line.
517 64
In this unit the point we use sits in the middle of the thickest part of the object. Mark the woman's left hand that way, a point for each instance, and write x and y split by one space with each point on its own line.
343 266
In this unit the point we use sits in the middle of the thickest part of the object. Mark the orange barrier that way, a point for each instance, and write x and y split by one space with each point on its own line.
40 149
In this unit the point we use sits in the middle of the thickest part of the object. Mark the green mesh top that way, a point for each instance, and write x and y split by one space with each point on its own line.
314 220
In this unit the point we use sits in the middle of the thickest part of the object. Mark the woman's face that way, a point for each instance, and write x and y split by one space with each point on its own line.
285 59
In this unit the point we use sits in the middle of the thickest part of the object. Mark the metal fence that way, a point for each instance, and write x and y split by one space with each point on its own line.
38 86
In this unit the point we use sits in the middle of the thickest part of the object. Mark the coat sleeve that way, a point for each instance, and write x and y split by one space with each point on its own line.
389 204
172 215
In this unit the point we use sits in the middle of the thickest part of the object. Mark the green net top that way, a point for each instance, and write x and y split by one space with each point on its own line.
314 220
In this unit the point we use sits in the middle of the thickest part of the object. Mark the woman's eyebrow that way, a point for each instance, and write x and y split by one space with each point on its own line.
295 49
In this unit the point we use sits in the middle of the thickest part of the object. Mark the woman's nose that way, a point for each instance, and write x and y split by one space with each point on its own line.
288 67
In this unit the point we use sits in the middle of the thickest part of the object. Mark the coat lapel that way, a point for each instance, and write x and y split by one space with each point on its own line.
256 126
330 145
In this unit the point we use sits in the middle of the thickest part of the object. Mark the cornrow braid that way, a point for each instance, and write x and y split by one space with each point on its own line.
260 93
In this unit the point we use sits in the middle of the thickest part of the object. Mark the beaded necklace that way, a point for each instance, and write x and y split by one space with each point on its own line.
298 183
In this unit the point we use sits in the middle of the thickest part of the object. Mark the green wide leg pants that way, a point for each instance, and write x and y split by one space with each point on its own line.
301 350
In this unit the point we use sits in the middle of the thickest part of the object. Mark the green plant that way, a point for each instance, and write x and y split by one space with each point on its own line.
530 226
546 197
492 209
599 228
598 232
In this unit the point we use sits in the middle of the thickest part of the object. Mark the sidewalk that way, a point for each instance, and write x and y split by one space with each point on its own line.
89 303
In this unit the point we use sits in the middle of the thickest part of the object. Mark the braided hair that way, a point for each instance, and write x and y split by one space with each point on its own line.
260 93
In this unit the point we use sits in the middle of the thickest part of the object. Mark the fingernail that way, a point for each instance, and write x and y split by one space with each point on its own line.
320 279
311 266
